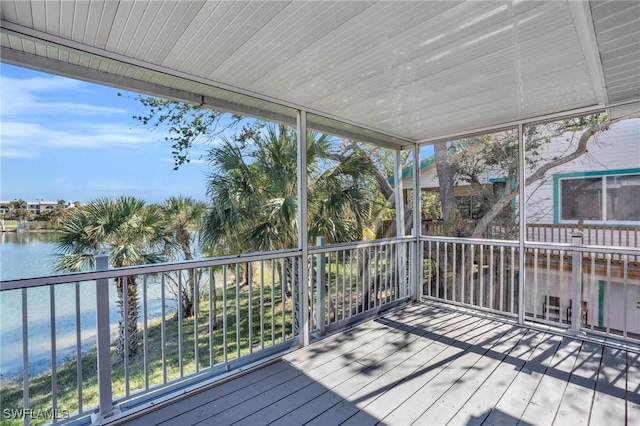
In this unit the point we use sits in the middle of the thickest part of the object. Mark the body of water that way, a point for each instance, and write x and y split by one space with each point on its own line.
28 255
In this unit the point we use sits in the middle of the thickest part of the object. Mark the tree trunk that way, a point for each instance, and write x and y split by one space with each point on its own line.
129 319
446 173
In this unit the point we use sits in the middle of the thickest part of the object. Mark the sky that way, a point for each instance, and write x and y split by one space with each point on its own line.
68 139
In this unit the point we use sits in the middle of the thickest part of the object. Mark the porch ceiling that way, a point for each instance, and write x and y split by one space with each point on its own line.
412 70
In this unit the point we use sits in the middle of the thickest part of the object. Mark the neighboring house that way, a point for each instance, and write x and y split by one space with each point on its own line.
599 193
601 187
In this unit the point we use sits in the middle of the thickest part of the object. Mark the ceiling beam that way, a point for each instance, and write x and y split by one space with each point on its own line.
583 21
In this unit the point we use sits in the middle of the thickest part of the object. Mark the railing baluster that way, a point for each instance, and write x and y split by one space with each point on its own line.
473 267
453 284
446 272
501 278
592 289
608 292
79 374
180 338
438 270
343 298
481 275
491 278
237 324
283 298
430 274
212 315
125 309
163 328
54 358
196 310
294 312
626 293
548 294
351 283
463 275
225 325
512 281
25 355
561 298
375 275
145 337
535 283
273 302
262 304
250 304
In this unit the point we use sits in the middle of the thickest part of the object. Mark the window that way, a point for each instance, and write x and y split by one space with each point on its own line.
613 198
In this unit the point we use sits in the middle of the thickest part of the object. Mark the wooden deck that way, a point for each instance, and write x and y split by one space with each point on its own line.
427 365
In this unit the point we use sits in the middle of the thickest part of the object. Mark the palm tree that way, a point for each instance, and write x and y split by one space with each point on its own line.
130 233
184 215
253 192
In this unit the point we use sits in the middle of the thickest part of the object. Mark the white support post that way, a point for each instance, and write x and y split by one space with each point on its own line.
303 238
401 260
576 283
417 225
398 192
522 222
321 293
103 337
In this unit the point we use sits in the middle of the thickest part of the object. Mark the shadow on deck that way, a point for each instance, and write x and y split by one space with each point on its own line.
424 364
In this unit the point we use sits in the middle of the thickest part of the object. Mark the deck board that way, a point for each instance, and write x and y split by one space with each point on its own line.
544 403
578 396
633 388
425 364
514 401
609 399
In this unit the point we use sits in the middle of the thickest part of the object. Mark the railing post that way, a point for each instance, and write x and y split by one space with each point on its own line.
413 261
103 337
321 293
576 283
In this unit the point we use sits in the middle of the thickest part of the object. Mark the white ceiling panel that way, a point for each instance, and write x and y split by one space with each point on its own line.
617 30
410 70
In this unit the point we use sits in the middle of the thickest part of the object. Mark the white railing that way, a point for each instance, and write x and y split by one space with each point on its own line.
475 273
352 280
231 323
486 274
246 308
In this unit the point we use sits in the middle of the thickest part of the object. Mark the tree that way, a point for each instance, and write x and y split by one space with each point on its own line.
457 162
187 125
130 233
253 194
253 191
22 214
467 162
184 215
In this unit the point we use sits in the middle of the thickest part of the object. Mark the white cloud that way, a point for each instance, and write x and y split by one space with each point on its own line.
24 96
21 139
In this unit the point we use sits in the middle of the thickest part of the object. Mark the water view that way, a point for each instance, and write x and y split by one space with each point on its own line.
28 255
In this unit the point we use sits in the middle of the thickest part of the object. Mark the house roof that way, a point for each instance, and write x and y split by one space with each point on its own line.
390 72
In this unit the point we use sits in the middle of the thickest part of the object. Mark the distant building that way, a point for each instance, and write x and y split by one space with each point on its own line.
37 207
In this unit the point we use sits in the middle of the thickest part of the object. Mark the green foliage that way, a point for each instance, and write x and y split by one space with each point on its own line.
253 190
186 124
123 228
